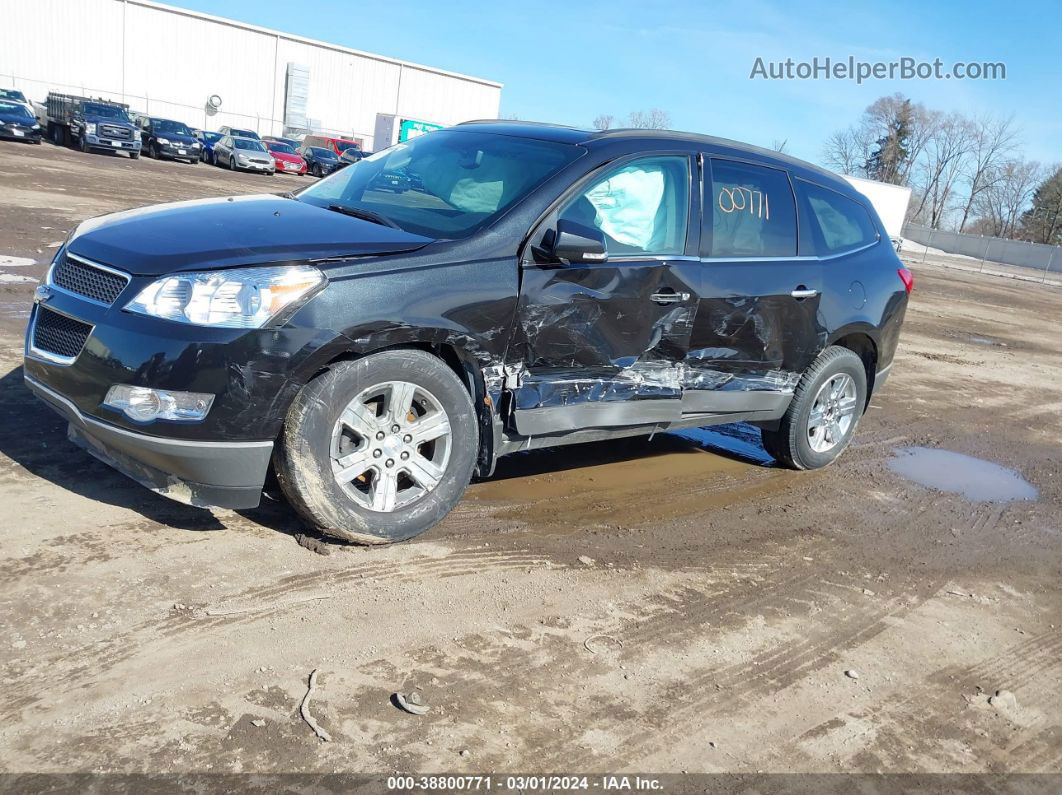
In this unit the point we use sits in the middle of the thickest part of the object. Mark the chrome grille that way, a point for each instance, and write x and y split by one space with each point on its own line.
118 133
59 335
76 276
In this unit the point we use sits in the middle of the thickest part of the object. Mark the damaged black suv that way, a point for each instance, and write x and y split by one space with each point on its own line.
526 286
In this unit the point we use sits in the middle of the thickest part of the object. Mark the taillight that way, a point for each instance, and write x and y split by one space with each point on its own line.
907 278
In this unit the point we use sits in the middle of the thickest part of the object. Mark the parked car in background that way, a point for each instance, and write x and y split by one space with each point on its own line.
320 161
14 95
169 139
351 155
207 139
236 132
353 341
292 142
91 124
287 160
17 122
337 145
243 154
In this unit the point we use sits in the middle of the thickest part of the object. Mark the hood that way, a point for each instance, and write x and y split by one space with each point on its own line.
218 233
287 158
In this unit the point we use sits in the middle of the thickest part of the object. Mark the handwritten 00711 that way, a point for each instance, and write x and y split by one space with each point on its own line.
738 199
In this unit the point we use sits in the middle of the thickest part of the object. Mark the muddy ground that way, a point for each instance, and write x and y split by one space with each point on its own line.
667 605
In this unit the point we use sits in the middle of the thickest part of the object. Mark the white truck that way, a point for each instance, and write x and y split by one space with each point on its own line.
889 200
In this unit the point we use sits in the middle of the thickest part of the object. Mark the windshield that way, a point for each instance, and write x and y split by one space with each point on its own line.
245 143
324 154
343 146
244 133
104 112
212 137
11 93
15 109
167 126
444 184
275 146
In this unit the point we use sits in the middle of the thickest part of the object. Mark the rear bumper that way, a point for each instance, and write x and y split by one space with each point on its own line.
221 474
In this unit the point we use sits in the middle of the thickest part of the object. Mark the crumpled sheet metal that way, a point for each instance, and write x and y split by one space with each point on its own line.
640 381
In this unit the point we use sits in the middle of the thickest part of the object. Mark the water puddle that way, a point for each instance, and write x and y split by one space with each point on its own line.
987 341
974 478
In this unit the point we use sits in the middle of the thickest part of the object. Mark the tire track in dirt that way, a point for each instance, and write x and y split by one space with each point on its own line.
97 659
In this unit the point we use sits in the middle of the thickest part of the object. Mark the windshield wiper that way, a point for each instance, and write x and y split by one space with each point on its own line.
365 215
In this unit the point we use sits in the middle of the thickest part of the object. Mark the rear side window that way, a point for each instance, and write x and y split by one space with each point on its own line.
752 210
641 207
842 224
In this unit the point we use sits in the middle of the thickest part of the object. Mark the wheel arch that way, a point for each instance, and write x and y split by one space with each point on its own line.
862 342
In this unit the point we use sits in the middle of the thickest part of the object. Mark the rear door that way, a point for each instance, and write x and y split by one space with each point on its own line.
757 326
601 344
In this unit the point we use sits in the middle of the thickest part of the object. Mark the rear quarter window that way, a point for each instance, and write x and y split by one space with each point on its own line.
752 210
839 223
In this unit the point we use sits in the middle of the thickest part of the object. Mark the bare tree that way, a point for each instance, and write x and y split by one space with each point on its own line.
992 141
654 119
846 151
941 166
604 121
1008 190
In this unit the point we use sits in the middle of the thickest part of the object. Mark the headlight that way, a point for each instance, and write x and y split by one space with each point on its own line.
90 128
145 405
36 127
136 135
238 298
164 141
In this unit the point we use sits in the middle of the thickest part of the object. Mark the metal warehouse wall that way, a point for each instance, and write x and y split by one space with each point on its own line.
166 62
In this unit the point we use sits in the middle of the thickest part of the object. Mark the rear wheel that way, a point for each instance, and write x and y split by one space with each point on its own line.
825 411
379 449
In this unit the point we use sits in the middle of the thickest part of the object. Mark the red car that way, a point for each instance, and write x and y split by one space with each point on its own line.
287 159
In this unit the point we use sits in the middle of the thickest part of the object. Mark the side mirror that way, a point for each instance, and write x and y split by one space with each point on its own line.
573 243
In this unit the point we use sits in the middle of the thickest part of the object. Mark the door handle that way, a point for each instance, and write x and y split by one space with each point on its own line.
669 297
803 292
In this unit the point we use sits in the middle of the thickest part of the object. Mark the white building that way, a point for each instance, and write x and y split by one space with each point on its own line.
168 62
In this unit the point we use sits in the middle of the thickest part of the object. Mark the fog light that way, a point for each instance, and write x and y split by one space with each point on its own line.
144 405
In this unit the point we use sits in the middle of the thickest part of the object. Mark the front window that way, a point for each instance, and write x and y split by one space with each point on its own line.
322 154
172 127
445 184
244 143
211 137
343 146
15 109
283 149
105 112
11 93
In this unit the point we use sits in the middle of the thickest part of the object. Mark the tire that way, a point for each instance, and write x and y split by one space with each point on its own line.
134 155
304 459
316 171
156 154
83 144
801 443
232 163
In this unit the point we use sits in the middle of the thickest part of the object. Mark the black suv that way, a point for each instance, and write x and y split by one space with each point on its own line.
169 139
545 286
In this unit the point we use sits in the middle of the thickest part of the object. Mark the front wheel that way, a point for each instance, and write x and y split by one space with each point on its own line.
379 449
824 413
232 163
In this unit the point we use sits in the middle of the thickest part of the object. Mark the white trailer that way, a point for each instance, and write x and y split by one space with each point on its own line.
890 201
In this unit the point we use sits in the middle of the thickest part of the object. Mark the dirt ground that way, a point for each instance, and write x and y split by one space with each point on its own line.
668 605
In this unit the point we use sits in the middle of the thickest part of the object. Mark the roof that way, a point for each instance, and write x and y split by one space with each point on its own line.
576 136
304 40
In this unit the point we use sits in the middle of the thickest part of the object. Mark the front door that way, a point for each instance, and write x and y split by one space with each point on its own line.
602 344
757 326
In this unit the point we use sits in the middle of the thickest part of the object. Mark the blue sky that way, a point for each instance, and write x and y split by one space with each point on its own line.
569 61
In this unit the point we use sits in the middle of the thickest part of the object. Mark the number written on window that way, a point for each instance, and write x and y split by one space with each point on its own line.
753 211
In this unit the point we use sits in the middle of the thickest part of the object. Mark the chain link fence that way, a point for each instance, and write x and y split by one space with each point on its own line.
1015 258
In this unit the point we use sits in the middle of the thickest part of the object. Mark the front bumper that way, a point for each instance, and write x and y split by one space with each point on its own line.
18 132
248 165
97 142
222 474
179 151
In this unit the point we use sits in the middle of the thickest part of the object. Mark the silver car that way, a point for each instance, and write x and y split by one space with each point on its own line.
244 154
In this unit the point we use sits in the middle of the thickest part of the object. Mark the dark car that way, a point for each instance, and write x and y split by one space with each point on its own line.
351 155
166 139
320 162
17 122
549 286
207 139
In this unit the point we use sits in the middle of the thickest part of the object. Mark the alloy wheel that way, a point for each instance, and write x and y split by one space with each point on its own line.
390 446
832 413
